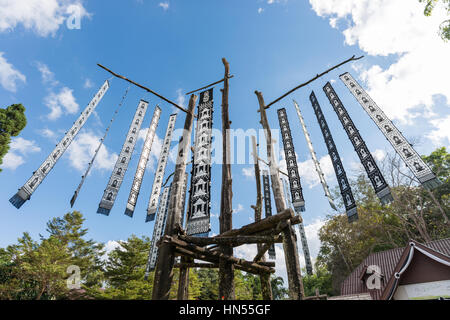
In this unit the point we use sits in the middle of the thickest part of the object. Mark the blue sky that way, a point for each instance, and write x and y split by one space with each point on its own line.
175 46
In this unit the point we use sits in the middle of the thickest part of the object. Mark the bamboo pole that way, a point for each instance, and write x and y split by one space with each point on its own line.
166 256
296 291
226 270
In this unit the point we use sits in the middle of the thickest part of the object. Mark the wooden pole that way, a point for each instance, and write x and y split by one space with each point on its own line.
209 85
226 269
296 291
166 256
143 87
266 286
313 79
183 281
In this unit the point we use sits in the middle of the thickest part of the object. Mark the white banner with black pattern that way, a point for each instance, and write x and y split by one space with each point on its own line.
411 158
112 189
142 165
373 172
39 175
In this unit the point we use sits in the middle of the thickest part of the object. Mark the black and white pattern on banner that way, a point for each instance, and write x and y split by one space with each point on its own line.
291 162
405 150
39 175
344 185
198 222
373 172
118 174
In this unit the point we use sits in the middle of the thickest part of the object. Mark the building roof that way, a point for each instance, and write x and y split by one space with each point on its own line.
387 261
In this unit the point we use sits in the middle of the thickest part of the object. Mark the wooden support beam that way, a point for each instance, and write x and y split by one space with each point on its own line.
196 265
264 224
143 87
313 79
166 256
281 225
209 85
234 241
296 291
226 270
215 256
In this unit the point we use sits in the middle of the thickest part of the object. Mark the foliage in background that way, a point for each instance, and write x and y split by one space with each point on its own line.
444 28
12 121
416 214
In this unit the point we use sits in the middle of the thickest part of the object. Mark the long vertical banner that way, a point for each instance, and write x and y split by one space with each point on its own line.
158 230
198 222
183 206
160 170
112 189
344 185
140 171
373 172
268 206
301 229
314 158
291 161
102 140
39 175
412 159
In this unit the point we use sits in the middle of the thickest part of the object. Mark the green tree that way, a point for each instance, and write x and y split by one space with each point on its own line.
444 28
86 254
279 292
125 270
12 121
321 280
42 265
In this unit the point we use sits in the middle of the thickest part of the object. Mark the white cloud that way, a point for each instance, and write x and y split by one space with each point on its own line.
110 246
239 208
164 5
47 133
404 89
379 154
260 10
307 170
248 172
48 77
82 150
9 76
88 84
19 148
44 17
441 135
62 101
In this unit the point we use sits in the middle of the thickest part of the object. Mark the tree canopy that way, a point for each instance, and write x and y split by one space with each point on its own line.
12 121
444 28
